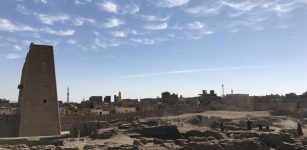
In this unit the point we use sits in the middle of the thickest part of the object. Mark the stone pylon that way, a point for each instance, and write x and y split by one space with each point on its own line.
38 104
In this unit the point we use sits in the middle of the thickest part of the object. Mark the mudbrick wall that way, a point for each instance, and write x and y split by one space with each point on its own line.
8 126
67 121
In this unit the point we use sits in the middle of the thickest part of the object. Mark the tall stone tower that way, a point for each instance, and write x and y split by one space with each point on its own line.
38 103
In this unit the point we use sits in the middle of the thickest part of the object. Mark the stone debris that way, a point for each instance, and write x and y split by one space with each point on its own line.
87 128
202 146
181 142
167 134
95 146
104 133
162 132
43 147
208 133
275 139
67 148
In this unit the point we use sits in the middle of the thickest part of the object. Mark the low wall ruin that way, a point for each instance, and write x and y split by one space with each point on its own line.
8 126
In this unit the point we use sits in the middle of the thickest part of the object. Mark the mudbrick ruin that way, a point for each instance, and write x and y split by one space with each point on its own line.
203 122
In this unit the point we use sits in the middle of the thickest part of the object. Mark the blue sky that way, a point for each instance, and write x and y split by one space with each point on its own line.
144 47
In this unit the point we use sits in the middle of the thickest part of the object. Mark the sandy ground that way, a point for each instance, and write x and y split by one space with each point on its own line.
279 123
224 114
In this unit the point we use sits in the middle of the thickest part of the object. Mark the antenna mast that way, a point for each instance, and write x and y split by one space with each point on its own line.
67 94
223 91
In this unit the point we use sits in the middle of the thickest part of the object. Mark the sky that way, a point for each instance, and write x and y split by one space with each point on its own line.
145 47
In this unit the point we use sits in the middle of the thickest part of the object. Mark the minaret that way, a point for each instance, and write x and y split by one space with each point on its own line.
119 95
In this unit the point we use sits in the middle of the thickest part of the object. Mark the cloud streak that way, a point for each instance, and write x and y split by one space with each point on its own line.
171 3
7 25
50 20
113 22
157 26
12 56
68 32
176 72
109 6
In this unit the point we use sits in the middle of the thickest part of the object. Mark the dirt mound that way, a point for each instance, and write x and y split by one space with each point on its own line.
208 133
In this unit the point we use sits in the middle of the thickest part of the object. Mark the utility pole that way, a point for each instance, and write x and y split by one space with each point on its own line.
223 91
67 94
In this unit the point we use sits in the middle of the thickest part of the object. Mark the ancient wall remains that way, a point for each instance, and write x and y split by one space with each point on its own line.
8 126
38 104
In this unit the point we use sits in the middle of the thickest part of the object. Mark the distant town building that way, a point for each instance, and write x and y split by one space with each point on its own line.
99 112
118 98
107 99
125 109
95 100
4 103
169 98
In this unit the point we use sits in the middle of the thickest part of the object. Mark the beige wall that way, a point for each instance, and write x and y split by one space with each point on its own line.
125 109
99 112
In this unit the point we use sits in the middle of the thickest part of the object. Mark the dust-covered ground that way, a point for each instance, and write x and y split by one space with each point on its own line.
214 130
277 122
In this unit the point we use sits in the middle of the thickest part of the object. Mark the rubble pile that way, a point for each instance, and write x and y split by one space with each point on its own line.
192 133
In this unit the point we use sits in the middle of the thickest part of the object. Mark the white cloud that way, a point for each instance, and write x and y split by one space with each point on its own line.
97 34
251 22
282 9
48 19
72 41
157 26
171 3
234 30
145 41
130 9
23 10
187 71
197 35
125 33
119 34
243 6
12 56
149 41
44 1
68 32
113 22
196 25
108 6
103 43
41 1
79 21
204 10
81 2
7 25
154 18
17 48
77 2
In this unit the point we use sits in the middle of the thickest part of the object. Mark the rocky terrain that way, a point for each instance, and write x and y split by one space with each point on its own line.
212 130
